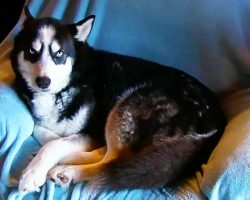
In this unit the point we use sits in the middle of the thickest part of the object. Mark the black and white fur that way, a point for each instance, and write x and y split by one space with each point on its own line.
73 91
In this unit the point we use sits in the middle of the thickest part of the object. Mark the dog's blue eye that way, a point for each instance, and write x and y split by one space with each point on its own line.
59 53
32 51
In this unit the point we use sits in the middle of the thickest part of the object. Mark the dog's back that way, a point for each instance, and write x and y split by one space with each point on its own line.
168 120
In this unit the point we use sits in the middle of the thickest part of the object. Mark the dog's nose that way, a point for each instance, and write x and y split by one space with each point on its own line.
43 82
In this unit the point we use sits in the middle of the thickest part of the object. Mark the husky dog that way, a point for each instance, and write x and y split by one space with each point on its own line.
115 121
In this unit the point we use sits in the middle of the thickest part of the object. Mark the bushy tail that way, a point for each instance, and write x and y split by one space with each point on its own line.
163 165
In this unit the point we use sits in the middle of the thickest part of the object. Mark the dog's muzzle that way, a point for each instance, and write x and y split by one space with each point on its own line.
43 82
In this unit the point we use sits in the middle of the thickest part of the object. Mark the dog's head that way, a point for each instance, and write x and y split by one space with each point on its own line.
44 51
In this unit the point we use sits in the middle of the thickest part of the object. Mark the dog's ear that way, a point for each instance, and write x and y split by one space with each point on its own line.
83 28
29 18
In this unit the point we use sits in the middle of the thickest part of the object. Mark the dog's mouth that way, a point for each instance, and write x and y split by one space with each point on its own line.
35 88
44 90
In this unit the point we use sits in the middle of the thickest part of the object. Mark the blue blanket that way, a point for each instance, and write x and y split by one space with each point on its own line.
202 38
17 147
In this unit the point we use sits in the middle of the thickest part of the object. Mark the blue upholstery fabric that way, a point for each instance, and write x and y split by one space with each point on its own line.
16 149
207 39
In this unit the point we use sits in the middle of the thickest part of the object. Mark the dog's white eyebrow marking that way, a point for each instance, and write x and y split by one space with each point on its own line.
55 46
47 34
37 45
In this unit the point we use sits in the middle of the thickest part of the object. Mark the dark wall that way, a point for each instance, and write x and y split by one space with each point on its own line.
10 12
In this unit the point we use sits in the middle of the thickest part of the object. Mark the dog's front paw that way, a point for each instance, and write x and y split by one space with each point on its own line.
33 177
62 175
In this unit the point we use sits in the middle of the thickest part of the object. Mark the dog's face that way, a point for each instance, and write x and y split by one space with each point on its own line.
45 52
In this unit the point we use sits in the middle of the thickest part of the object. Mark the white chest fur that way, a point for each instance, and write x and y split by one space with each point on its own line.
47 111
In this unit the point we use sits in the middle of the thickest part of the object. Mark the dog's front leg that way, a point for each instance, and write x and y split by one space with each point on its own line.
84 158
43 134
49 155
65 174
